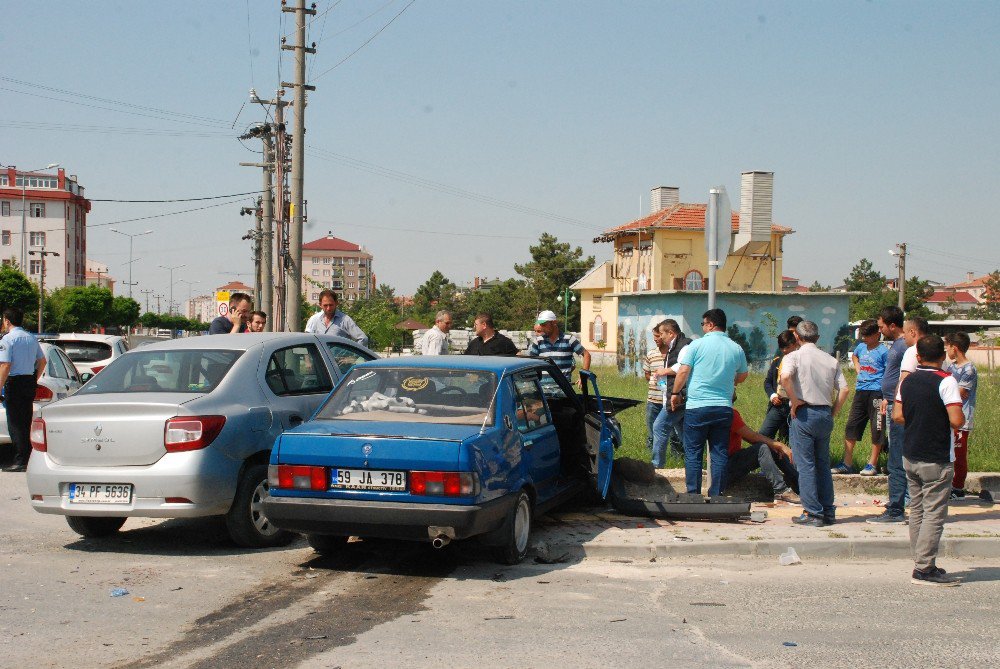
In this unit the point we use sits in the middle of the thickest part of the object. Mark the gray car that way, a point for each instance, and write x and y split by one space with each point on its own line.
181 429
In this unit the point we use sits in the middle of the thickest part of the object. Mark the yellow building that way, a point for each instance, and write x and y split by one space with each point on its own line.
665 253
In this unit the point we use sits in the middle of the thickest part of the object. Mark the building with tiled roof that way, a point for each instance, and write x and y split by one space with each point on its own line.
951 302
973 285
343 266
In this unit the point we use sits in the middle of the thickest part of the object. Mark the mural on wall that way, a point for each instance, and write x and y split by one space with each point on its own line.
620 348
755 319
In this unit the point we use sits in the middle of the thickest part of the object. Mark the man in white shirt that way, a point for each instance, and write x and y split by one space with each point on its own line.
435 341
330 320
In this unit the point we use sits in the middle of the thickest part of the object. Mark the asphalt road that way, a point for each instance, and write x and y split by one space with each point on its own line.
197 601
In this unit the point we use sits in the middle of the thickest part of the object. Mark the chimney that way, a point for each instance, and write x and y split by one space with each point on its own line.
969 276
663 197
756 196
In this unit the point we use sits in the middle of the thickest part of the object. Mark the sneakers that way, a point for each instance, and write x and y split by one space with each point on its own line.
957 493
933 576
868 471
788 495
887 518
807 520
842 468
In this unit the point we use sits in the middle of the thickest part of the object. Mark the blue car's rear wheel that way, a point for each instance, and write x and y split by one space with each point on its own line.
516 531
326 544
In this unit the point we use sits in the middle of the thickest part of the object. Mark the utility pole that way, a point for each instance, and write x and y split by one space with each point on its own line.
294 269
147 293
158 297
264 234
41 282
901 286
170 305
131 238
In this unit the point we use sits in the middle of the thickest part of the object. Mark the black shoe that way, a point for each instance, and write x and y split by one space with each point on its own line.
938 570
829 520
887 518
15 468
933 577
807 520
957 493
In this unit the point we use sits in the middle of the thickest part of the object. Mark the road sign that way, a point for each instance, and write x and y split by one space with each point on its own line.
724 230
222 302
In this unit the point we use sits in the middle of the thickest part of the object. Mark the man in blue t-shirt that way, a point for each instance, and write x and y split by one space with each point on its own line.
890 324
869 362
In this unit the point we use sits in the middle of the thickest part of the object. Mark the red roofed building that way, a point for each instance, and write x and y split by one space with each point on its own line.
976 287
951 302
331 262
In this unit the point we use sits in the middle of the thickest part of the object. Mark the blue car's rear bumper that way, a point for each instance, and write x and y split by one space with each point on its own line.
387 520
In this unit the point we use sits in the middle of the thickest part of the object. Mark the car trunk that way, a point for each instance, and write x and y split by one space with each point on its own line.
366 446
92 431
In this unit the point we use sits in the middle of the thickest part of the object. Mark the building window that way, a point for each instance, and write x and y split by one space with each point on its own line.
38 182
597 301
350 272
37 239
693 280
351 261
326 260
35 267
37 210
315 297
3 180
326 272
351 285
5 238
315 272
5 208
598 333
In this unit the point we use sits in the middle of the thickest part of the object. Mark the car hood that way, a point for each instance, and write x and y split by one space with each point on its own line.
401 430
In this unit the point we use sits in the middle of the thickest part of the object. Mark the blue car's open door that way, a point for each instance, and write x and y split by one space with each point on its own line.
606 447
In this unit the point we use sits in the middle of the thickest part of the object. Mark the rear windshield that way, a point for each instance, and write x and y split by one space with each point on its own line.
413 395
83 351
189 371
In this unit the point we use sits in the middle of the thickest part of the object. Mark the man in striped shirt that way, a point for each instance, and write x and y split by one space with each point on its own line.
560 347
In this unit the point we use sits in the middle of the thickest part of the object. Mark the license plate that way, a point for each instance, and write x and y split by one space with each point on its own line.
367 479
100 493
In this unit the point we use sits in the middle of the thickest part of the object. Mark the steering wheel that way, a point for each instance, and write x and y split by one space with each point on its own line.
452 389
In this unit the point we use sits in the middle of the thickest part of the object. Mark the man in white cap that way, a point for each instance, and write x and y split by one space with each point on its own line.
559 347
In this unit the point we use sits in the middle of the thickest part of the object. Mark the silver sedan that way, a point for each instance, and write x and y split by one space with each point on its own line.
180 429
60 379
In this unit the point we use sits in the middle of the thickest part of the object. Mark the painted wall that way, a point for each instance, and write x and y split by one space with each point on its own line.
754 320
607 310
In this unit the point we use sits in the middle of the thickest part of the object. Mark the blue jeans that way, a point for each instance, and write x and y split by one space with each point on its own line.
897 475
709 424
809 433
775 425
652 411
664 425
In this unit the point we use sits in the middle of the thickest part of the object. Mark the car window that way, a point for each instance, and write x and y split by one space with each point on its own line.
84 351
551 387
531 412
345 356
187 371
391 394
297 370
55 367
71 369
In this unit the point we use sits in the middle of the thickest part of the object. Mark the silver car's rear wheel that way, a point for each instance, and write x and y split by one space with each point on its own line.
94 526
246 522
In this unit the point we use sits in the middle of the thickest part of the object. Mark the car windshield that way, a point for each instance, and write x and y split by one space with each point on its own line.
400 394
84 351
188 371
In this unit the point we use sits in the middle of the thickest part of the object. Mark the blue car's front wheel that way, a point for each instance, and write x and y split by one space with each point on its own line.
516 531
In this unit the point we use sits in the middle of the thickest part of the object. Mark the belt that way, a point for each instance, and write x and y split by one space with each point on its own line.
21 376
815 406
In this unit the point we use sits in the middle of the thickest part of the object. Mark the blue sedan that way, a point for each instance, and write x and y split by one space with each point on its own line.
443 448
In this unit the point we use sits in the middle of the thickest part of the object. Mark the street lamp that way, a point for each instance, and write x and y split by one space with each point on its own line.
131 236
24 209
41 282
170 305
566 297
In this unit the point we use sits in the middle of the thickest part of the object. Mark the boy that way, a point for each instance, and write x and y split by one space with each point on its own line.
773 458
929 403
775 423
868 359
956 345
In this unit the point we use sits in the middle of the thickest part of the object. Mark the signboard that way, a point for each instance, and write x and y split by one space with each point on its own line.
721 225
222 302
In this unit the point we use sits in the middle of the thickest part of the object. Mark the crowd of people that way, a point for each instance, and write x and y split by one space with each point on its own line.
916 391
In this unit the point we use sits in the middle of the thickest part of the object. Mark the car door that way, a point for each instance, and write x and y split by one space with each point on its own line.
537 433
297 380
73 381
56 375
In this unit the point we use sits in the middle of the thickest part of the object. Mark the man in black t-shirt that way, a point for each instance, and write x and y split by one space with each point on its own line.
929 403
488 341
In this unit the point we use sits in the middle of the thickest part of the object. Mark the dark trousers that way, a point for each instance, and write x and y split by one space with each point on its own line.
19 397
775 425
776 468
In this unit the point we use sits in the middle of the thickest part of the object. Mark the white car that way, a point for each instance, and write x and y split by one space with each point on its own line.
90 352
60 379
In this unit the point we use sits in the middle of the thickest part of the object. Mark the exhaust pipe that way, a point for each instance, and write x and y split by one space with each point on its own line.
440 541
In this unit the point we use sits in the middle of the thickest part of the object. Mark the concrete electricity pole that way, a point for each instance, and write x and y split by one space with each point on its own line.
147 293
901 286
41 282
294 268
170 305
264 235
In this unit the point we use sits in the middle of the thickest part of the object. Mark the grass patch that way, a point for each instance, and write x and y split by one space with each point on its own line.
984 443
754 537
836 535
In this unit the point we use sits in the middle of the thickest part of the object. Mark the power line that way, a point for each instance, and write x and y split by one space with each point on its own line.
432 232
358 23
249 47
146 218
124 130
366 43
186 199
960 256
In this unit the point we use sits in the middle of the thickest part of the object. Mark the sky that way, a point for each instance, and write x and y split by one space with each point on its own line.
449 135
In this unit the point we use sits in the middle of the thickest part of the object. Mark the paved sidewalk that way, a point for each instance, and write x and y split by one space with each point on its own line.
972 530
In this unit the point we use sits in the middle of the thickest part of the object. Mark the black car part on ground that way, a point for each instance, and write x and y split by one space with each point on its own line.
676 507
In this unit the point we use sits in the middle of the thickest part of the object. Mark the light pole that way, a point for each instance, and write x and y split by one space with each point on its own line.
566 297
130 238
24 209
41 282
170 304
189 283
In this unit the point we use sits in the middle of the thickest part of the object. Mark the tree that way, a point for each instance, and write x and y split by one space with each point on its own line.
990 308
864 278
435 294
17 291
817 287
511 304
376 319
124 312
555 266
79 307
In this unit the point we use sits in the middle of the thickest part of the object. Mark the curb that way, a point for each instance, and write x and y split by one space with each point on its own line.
959 547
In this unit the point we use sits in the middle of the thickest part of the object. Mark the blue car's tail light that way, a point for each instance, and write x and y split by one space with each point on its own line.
299 477
444 484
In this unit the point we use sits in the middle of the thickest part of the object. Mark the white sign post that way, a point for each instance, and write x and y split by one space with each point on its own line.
718 235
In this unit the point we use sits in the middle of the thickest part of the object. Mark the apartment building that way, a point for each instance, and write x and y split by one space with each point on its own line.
331 262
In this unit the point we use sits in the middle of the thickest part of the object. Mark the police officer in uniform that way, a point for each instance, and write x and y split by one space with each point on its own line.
21 363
